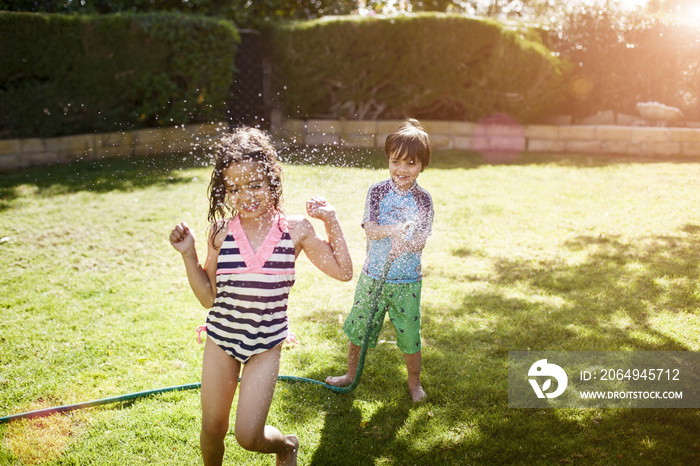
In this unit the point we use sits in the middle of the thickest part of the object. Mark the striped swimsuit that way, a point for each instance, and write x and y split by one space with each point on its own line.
249 315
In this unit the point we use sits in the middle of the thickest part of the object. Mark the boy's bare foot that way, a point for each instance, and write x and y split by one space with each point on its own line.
417 393
341 381
290 457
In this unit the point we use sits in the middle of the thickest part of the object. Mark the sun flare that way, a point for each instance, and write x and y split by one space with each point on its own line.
694 13
632 4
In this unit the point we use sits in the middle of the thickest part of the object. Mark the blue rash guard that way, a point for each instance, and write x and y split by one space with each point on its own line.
386 205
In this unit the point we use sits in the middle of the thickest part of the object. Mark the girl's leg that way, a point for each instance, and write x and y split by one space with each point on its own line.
353 360
219 380
413 365
254 399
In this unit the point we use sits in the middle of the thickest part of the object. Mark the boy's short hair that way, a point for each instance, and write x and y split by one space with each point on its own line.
410 140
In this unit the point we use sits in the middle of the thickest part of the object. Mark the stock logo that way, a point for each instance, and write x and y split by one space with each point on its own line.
543 369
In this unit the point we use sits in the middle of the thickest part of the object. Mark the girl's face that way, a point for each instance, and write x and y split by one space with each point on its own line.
403 170
248 189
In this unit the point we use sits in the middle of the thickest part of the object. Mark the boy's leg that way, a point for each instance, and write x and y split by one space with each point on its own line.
355 327
404 311
353 359
257 387
413 365
219 381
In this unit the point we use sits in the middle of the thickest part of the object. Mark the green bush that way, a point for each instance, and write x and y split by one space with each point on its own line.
244 13
73 74
426 65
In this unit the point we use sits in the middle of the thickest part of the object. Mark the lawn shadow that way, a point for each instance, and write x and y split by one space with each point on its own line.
347 439
607 302
100 176
347 435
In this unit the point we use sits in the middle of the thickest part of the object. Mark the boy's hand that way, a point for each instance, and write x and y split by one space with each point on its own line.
318 207
182 238
400 242
398 246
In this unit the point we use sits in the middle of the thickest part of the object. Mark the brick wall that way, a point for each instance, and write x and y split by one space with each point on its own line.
22 153
603 139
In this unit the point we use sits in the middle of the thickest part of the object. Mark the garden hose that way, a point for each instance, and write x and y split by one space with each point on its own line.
132 396
88 404
374 308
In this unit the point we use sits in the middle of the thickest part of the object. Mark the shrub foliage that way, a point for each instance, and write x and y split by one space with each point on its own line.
245 13
432 65
67 74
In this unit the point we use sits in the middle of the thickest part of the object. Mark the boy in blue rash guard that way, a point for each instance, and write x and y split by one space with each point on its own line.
398 219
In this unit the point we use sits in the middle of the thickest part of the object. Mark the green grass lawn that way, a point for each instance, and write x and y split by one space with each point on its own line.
546 253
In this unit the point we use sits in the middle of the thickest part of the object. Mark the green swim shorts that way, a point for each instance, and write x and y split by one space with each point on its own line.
400 300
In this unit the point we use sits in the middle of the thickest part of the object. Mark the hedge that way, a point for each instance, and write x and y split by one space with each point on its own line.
68 74
434 65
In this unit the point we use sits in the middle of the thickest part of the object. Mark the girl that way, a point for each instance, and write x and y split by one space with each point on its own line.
245 282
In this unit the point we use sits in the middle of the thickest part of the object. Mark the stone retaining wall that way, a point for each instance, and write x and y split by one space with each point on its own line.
22 153
497 138
603 139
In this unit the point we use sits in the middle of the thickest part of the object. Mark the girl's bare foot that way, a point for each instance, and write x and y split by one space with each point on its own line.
417 393
341 381
289 458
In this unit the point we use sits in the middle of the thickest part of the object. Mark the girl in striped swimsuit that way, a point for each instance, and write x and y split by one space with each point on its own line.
245 282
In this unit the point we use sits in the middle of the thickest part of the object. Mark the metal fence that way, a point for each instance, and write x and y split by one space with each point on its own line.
246 102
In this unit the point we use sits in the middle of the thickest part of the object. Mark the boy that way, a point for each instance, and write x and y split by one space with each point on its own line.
398 219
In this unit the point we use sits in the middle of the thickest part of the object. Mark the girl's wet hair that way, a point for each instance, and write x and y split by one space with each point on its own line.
243 144
410 140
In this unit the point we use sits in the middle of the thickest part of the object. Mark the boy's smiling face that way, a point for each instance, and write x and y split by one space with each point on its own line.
403 170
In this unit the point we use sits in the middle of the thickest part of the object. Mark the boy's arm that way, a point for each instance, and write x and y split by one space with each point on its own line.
421 227
374 231
415 244
398 233
401 245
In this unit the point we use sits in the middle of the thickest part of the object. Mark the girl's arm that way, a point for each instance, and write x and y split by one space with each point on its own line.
332 257
202 279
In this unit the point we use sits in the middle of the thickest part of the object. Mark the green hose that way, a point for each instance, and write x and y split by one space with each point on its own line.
88 404
376 294
191 386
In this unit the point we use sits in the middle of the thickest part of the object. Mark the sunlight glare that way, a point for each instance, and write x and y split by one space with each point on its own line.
632 4
694 13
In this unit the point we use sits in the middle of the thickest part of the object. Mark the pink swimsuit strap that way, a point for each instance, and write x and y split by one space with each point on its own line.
255 260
